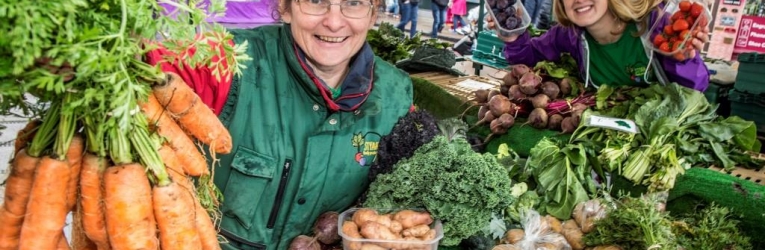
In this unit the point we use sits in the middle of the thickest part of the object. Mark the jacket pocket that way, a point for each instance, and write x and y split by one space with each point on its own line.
251 173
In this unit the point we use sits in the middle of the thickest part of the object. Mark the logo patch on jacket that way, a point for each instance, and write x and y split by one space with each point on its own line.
366 147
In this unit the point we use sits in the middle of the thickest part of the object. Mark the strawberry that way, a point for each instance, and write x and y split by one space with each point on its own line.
664 47
668 30
658 40
696 10
680 25
685 6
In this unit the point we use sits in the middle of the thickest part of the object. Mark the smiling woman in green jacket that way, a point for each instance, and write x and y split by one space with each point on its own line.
305 116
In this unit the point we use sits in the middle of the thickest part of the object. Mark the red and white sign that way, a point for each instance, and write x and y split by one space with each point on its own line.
751 35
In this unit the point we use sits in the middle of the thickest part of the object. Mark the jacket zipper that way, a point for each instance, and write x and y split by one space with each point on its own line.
279 194
241 240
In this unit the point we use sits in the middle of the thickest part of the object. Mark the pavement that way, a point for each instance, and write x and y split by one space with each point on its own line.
424 25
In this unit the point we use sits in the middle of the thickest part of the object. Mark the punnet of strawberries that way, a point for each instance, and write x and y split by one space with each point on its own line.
685 22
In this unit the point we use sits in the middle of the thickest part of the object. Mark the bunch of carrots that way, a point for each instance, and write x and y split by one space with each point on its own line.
128 187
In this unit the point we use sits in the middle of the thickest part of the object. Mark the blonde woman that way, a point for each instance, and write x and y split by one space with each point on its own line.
604 36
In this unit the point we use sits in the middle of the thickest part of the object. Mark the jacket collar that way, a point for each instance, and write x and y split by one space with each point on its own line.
355 87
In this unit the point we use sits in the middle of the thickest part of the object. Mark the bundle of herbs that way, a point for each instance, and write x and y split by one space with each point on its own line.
634 223
714 227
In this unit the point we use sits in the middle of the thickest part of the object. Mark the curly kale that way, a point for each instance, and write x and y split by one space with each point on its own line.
456 185
410 132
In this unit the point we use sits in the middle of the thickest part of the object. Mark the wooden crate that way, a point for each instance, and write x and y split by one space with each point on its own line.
459 86
756 176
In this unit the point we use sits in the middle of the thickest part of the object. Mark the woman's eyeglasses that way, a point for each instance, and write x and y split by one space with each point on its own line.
349 8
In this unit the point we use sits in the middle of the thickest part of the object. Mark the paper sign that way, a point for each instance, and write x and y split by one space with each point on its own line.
624 125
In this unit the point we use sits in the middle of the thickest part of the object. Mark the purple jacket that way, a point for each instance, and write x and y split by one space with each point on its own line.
691 73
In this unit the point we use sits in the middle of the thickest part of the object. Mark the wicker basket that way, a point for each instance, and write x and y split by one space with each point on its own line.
459 86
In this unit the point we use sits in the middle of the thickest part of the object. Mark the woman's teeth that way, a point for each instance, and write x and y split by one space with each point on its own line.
583 9
331 39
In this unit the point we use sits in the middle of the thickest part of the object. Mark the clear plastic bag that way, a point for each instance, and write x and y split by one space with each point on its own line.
538 234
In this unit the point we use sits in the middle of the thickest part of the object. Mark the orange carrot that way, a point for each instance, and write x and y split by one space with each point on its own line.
80 240
46 210
194 117
91 202
177 229
62 244
207 232
18 187
130 220
193 162
174 168
74 157
25 135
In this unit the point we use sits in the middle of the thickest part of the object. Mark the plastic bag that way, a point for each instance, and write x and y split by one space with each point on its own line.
538 235
586 213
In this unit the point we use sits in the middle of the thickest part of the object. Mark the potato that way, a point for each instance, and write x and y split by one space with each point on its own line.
554 223
351 230
514 235
377 231
430 235
416 231
363 215
396 227
506 247
547 246
410 218
573 235
371 246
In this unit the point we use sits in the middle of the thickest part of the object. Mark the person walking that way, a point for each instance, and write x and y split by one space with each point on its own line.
439 15
458 9
391 8
408 14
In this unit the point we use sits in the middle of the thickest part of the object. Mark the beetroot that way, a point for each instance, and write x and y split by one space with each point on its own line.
519 70
500 126
506 120
499 105
487 117
509 80
481 95
482 112
554 122
302 242
550 89
515 94
565 86
503 89
568 125
540 101
492 93
325 228
530 83
577 109
528 89
538 118
497 128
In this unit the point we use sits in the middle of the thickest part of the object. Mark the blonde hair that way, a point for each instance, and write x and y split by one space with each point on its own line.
625 10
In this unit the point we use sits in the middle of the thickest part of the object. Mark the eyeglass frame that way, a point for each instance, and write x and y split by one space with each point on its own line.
339 4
